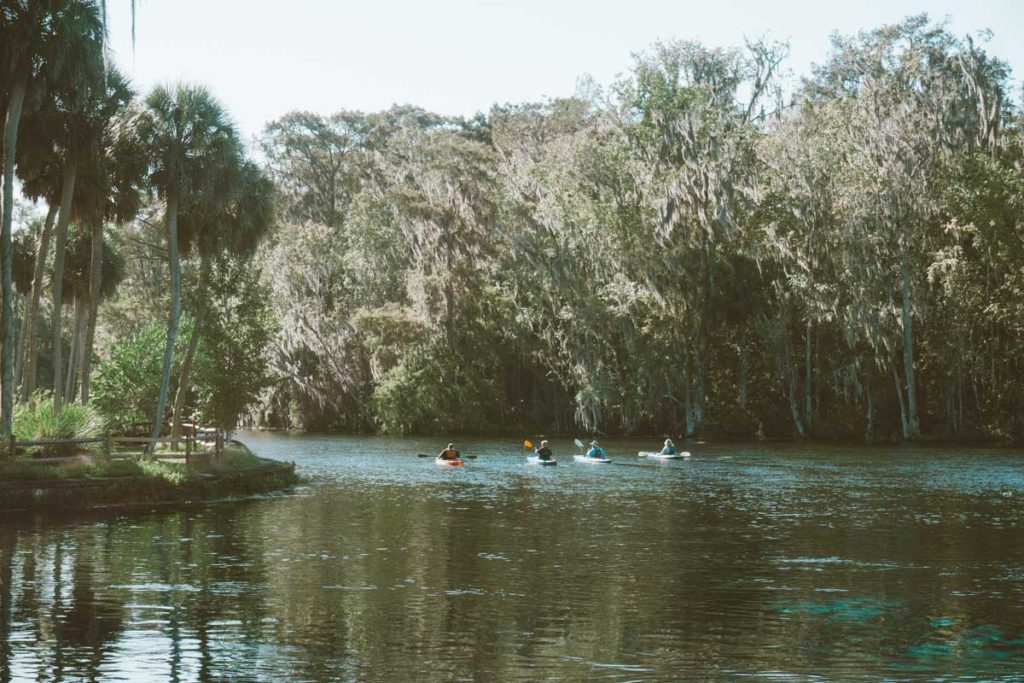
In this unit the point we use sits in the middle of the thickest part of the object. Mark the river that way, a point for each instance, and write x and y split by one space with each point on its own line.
784 562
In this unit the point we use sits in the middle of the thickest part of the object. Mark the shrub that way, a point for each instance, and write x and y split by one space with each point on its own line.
127 384
230 371
35 421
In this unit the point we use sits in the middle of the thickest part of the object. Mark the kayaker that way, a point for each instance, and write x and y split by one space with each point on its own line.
595 450
450 453
544 453
669 449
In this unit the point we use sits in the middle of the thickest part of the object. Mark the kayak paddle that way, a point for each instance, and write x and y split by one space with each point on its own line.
427 455
527 443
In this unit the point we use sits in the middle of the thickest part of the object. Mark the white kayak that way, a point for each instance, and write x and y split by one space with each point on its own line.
534 460
662 456
584 458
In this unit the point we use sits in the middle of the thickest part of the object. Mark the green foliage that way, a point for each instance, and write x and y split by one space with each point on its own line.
24 257
127 384
176 473
409 399
232 372
681 254
27 469
231 460
34 420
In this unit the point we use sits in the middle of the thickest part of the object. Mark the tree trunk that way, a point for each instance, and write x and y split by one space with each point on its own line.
744 371
817 373
75 352
95 283
703 339
19 361
794 403
913 426
869 431
785 367
699 393
960 395
184 378
16 97
809 376
66 191
32 316
172 325
948 388
903 404
687 400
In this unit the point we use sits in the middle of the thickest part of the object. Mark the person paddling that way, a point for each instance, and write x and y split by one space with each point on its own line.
669 449
450 453
595 450
544 453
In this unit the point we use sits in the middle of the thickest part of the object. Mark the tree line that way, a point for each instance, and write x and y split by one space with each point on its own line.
106 163
692 249
697 248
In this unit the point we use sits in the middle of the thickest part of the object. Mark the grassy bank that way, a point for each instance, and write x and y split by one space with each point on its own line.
87 481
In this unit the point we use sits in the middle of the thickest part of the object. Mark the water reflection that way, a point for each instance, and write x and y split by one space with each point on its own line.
784 562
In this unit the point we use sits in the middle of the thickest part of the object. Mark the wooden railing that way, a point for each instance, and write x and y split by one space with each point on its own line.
109 441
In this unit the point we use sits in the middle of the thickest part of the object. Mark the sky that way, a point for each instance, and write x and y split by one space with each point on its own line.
264 58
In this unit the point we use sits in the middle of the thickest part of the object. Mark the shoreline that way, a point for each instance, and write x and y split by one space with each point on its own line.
922 442
82 492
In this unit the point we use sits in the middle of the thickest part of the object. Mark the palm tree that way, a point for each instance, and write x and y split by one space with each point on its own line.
134 7
191 145
79 291
28 373
87 125
24 246
47 46
74 291
213 228
105 172
110 187
69 142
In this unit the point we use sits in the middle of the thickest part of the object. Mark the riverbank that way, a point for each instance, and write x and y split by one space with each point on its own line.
90 482
840 563
516 436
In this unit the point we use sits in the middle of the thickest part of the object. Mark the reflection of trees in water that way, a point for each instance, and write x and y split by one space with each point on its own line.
494 583
86 621
75 588
48 596
523 581
8 547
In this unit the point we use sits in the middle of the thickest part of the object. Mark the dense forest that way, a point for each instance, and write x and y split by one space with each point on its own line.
707 246
690 250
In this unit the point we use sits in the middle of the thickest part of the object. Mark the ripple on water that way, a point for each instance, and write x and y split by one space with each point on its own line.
788 562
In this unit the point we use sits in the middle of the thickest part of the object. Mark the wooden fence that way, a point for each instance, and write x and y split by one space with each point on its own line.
109 441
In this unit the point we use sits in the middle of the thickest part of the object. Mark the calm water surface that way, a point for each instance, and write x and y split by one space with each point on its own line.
788 563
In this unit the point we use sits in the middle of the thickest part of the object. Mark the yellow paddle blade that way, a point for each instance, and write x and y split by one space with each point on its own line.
527 444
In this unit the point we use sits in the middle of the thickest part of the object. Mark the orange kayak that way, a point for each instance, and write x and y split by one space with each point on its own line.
450 463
